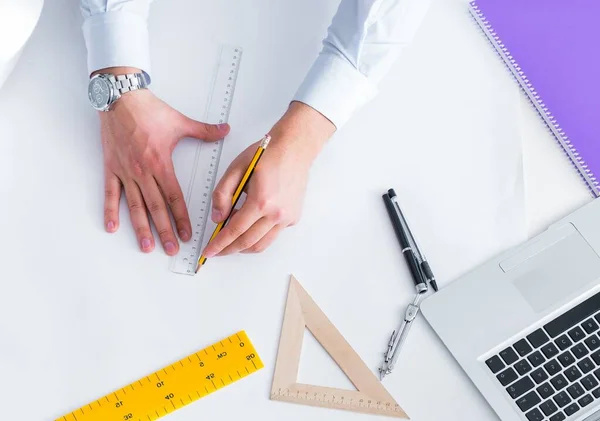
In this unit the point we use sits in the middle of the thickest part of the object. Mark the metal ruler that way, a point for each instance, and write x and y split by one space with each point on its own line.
176 385
206 161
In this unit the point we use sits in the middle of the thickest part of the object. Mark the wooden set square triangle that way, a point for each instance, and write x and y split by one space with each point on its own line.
369 397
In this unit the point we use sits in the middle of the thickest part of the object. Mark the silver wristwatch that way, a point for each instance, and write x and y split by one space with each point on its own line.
105 88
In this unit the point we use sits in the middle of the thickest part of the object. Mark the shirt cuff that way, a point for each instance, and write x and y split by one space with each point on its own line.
115 39
335 88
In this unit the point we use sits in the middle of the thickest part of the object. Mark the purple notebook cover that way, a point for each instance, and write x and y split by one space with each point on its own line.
553 48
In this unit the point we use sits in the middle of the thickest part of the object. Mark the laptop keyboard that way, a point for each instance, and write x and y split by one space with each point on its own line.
554 372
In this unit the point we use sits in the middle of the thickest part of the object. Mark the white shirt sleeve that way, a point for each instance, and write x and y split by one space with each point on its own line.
116 33
363 41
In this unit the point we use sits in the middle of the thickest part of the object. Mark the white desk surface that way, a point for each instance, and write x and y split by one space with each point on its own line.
83 312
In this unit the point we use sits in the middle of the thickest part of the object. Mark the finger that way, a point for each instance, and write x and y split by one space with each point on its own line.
203 131
174 196
238 225
139 216
266 241
160 216
112 197
248 239
223 193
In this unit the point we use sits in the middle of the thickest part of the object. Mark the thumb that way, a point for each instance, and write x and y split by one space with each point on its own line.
203 131
223 193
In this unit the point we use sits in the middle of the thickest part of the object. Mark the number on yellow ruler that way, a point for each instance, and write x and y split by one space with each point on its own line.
176 385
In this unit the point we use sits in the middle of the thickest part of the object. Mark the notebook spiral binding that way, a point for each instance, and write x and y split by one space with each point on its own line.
534 98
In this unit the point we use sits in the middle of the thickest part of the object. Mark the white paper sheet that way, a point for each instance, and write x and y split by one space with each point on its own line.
83 312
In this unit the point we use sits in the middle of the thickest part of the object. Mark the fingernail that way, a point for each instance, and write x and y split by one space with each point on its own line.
222 127
209 254
146 244
216 215
169 247
183 234
110 226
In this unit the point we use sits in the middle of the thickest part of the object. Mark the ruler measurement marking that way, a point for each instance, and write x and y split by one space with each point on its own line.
206 161
148 400
254 365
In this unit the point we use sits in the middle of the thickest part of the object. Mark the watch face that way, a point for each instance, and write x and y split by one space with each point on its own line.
99 93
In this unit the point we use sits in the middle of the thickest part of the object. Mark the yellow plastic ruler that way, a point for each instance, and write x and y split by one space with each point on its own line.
176 385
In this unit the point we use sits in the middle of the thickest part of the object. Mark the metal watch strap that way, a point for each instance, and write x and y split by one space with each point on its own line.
128 82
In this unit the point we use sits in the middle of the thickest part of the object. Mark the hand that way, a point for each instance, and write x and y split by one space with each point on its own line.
138 138
276 190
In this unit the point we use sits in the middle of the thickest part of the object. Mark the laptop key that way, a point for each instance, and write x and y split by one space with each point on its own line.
545 390
593 342
575 390
507 376
596 393
574 316
580 350
562 399
571 409
552 367
522 347
558 417
586 365
525 403
596 357
566 359
572 373
590 326
548 407
576 334
534 415
495 364
509 355
589 382
585 401
538 375
549 350
536 358
522 367
519 387
538 338
597 374
563 342
559 382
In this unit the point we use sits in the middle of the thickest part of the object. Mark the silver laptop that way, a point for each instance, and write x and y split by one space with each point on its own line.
525 326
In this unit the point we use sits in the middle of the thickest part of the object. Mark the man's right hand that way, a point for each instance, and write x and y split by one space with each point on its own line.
139 135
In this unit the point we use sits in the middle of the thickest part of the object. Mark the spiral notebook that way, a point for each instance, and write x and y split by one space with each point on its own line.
551 47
